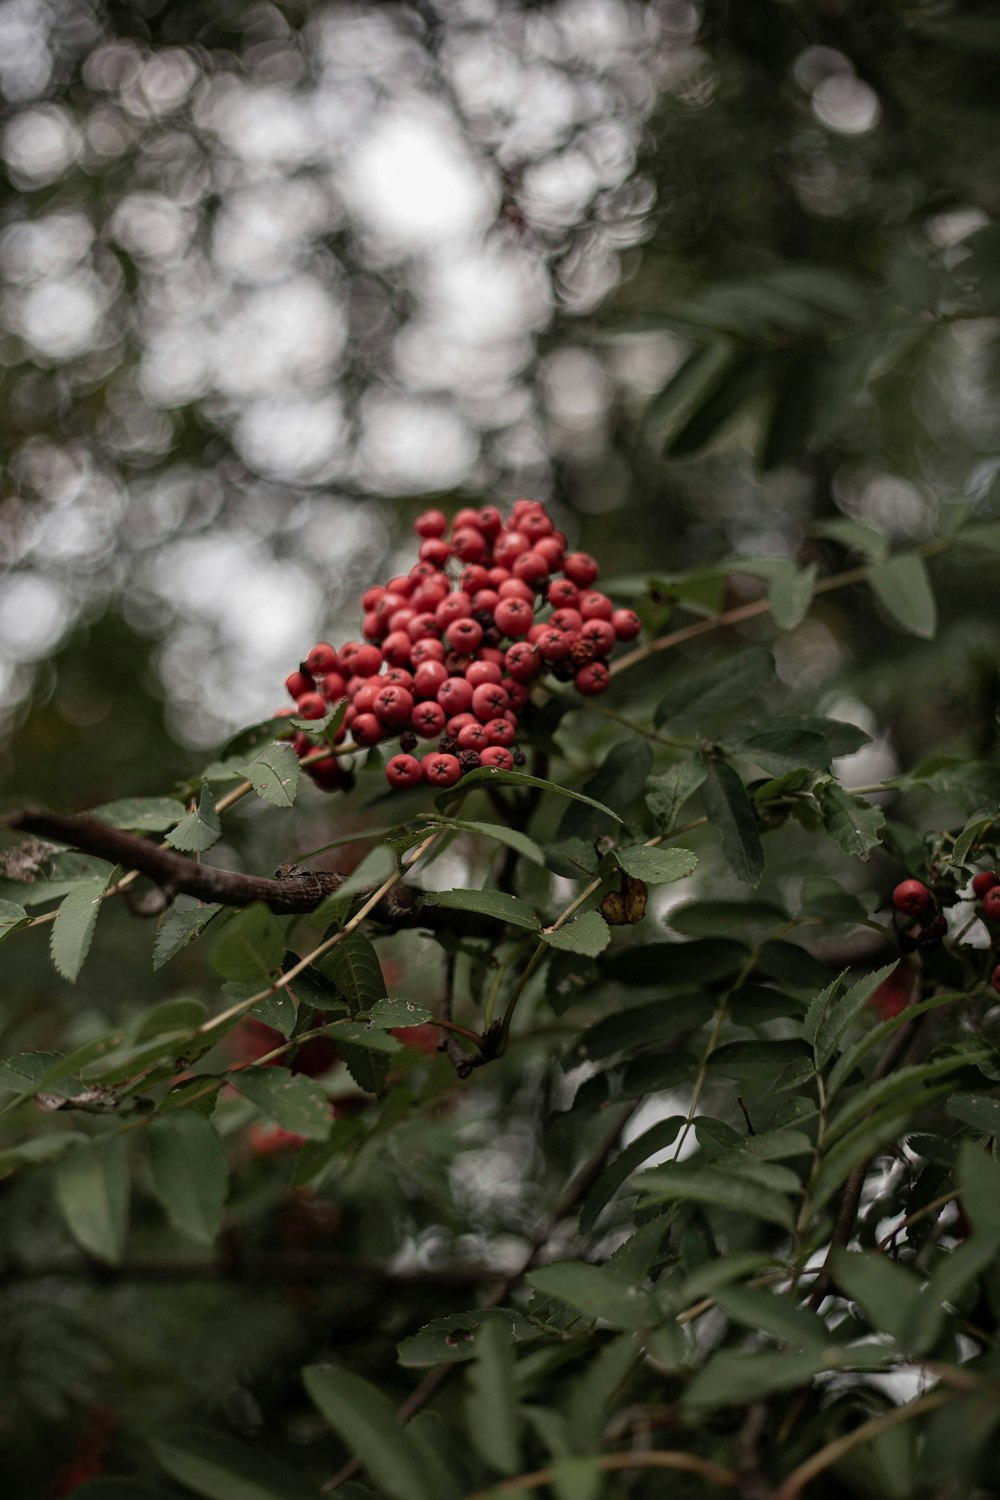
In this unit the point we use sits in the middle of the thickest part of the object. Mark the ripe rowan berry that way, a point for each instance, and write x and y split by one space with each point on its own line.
553 644
498 756
552 550
522 662
455 695
496 576
532 567
397 648
333 687
372 596
464 634
592 679
581 569
562 594
423 626
473 736
469 544
435 550
457 723
490 521
366 729
488 701
428 720
627 624
981 883
478 672
311 706
516 692
372 627
426 649
535 524
363 695
393 705
431 523
429 595
330 775
911 897
567 619
441 770
321 658
453 607
473 578
513 616
508 546
367 660
991 902
427 678
299 683
401 584
500 732
464 518
600 634
595 605
399 676
400 618
404 771
457 662
484 602
516 588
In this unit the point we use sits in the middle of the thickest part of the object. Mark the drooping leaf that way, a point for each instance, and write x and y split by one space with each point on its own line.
703 695
657 1138
588 935
853 822
200 829
250 946
491 777
903 587
274 772
720 918
368 1066
656 866
496 904
291 1100
176 928
642 1028
598 1292
779 748
73 928
189 1172
831 1014
617 782
92 1190
855 536
773 1314
667 794
513 838
735 1378
143 814
730 810
888 1293
391 1012
168 1017
218 1467
353 968
365 1420
694 1182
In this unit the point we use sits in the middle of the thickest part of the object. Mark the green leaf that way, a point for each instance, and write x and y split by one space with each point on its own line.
972 785
492 1416
976 1110
278 1010
854 823
367 1066
497 904
289 1099
589 935
390 1013
593 1392
38 1149
716 688
831 1013
979 1186
12 917
200 829
778 748
189 1172
676 963
618 781
791 595
488 777
219 1468
376 867
250 947
730 810
657 1138
455 1339
824 898
146 814
576 859
169 1017
92 1190
754 1061
888 1293
656 866
985 536
352 966
714 1186
641 1028
774 1315
734 1378
274 773
846 1064
854 536
720 918
903 588
667 794
513 838
576 1479
368 1034
365 1421
597 1291
73 928
903 1081
176 929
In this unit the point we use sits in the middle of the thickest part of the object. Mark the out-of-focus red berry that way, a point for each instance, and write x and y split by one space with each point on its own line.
431 523
298 684
627 624
311 706
581 569
322 658
592 679
404 771
981 883
478 672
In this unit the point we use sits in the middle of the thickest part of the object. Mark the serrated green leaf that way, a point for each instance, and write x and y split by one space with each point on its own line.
291 1100
703 695
854 823
492 1415
367 1066
835 1012
779 748
454 1339
903 588
176 929
774 1314
92 1190
888 1293
146 814
189 1172
618 781
598 1292
352 966
730 811
217 1467
513 838
713 1186
903 1081
753 1061
378 864
976 1110
168 1017
496 904
667 794
200 829
73 928
391 1012
12 917
365 1421
250 947
656 866
274 773
791 594
365 1034
657 1138
489 777
642 1028
589 935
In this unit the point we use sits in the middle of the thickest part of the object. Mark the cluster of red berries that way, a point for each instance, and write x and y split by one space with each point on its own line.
451 647
914 899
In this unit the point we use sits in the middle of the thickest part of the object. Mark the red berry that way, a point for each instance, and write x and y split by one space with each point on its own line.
464 634
500 732
562 594
428 720
423 626
522 662
509 546
600 634
422 571
397 649
429 595
455 695
981 883
457 662
311 706
570 620
400 618
470 545
465 518
404 771
497 755
513 616
453 607
372 627
367 660
458 722
581 569
995 979
322 658
516 691
394 705
497 576
372 596
595 606
485 601
473 736
328 774
491 653
298 683
592 679
426 649
552 550
535 524
490 521
428 678
435 550
473 578
397 675
366 729
627 624
516 588
333 687
401 584
553 645
488 701
991 901
441 770
911 897
532 567
431 523
363 696
478 672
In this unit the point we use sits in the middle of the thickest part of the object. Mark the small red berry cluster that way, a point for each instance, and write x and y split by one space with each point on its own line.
913 899
451 647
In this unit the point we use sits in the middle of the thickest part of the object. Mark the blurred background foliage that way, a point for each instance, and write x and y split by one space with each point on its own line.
702 276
